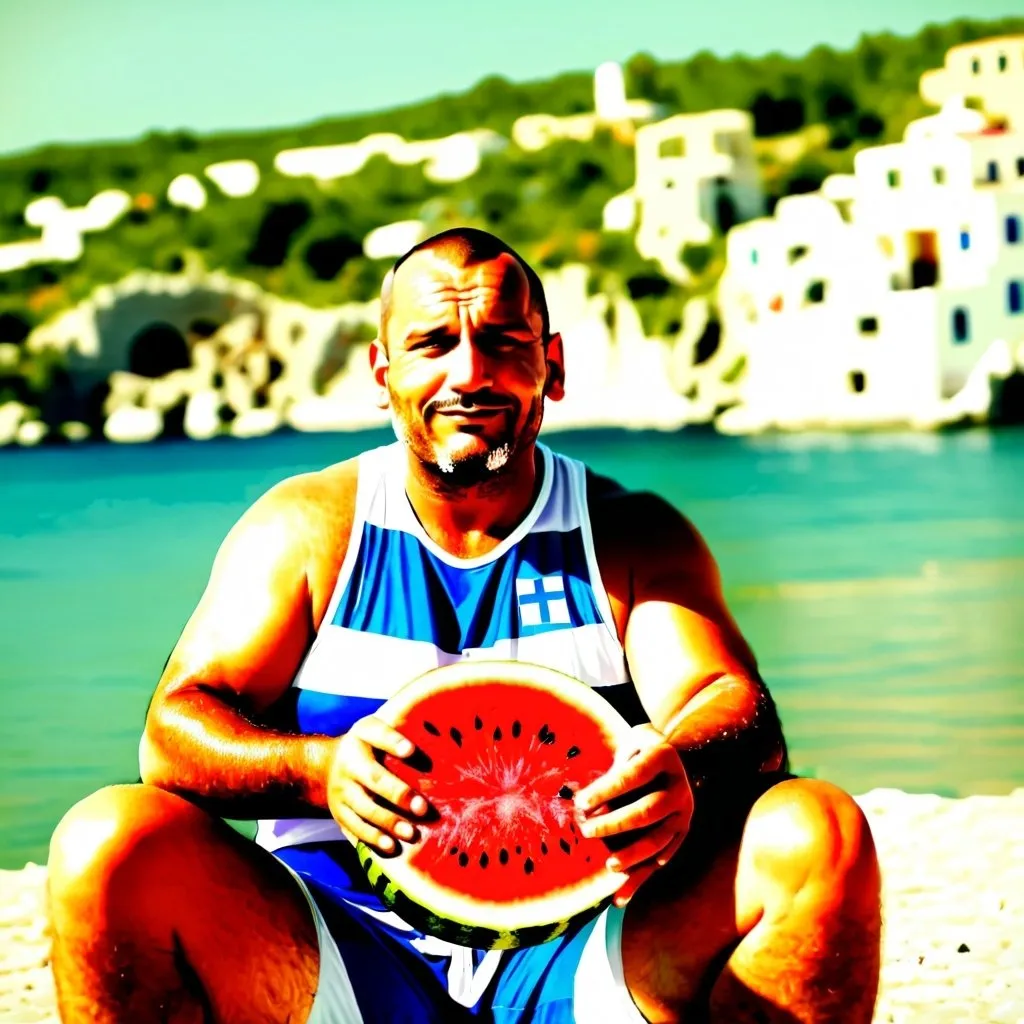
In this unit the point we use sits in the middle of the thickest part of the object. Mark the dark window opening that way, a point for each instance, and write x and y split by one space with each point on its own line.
1002 62
1014 299
797 252
816 292
857 381
961 326
992 171
1012 230
869 325
893 178
976 66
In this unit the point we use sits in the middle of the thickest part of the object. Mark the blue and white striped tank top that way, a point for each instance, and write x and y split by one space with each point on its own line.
403 605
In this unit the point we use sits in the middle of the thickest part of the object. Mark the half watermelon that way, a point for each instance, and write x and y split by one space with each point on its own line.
502 748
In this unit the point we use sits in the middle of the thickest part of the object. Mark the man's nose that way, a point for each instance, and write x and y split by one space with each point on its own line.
468 368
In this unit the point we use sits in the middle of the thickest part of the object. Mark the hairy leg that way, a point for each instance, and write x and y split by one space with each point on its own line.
162 913
785 927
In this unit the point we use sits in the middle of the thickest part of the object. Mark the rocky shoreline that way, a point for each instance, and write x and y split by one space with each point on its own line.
954 915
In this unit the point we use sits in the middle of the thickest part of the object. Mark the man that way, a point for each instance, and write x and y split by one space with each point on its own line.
756 894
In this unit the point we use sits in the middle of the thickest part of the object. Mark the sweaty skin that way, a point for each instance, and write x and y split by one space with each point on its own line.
782 925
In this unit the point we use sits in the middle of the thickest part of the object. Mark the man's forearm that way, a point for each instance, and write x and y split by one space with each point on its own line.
201 747
728 733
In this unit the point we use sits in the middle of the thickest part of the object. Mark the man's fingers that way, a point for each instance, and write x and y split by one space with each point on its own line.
647 810
640 770
383 819
629 888
653 846
355 828
377 733
364 768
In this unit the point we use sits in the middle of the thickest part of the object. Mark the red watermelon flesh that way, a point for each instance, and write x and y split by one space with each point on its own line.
501 751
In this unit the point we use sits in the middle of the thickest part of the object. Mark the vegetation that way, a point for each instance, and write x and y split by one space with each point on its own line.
303 239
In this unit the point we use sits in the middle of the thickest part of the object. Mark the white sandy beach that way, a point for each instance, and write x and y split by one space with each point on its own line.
953 897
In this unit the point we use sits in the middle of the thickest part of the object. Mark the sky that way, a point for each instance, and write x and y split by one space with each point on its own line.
82 70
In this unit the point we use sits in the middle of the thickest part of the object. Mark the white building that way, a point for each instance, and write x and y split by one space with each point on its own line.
695 174
990 71
876 300
611 109
452 158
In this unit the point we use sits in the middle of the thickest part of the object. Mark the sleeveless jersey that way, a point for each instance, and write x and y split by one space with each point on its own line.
403 605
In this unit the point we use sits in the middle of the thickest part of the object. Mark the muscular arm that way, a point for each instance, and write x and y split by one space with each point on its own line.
695 674
206 735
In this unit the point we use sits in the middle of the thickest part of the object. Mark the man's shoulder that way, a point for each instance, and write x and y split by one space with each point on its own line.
638 525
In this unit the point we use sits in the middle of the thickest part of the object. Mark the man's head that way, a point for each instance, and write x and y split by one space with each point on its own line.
465 355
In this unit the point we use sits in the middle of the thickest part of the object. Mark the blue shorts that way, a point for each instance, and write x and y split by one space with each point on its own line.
376 969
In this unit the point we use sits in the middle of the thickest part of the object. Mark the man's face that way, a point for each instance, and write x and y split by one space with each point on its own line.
466 368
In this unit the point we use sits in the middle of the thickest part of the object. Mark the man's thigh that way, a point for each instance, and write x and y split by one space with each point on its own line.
680 928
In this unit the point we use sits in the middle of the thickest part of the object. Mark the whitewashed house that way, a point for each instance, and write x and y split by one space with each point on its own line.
695 174
878 299
611 109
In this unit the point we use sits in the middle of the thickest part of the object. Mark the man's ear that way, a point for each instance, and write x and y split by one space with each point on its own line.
555 358
379 368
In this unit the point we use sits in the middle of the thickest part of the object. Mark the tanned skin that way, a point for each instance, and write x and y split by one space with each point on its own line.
160 912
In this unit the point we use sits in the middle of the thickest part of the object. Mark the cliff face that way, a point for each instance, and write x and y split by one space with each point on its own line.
203 354
953 900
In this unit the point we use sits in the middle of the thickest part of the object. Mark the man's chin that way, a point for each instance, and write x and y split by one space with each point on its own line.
468 464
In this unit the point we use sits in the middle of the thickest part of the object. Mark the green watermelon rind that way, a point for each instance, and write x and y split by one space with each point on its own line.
453 925
457 932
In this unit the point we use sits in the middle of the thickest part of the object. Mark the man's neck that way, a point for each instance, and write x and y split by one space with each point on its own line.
469 522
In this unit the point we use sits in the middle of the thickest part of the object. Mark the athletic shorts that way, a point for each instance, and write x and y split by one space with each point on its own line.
376 969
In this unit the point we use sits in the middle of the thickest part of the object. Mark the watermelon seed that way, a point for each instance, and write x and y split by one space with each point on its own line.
497 732
588 858
572 828
454 850
565 793
528 866
544 733
519 849
455 735
463 859
516 729
564 845
503 856
543 847
431 728
572 752
575 839
478 723
484 860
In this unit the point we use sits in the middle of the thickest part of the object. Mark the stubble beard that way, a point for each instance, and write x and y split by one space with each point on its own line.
457 472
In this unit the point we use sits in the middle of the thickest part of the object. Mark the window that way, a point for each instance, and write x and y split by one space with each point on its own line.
868 325
939 174
1002 62
976 66
965 239
857 382
797 252
1012 229
753 256
669 183
893 178
961 326
993 171
1020 167
1014 297
672 147
815 292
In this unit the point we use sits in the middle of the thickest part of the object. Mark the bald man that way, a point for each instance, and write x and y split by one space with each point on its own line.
746 894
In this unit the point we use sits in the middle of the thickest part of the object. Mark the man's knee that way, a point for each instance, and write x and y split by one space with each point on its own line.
109 832
808 836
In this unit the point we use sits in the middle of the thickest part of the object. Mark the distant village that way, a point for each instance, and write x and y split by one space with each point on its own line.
891 297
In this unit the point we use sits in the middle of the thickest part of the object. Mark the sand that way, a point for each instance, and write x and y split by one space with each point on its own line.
953 897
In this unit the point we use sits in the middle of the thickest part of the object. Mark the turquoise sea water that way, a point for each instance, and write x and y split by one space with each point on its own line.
880 579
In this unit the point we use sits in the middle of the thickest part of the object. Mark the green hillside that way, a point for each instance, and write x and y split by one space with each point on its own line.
302 239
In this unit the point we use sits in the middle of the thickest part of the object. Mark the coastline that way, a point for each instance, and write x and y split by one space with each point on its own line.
953 897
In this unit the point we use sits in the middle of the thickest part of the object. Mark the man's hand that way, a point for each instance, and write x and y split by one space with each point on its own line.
645 791
367 800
